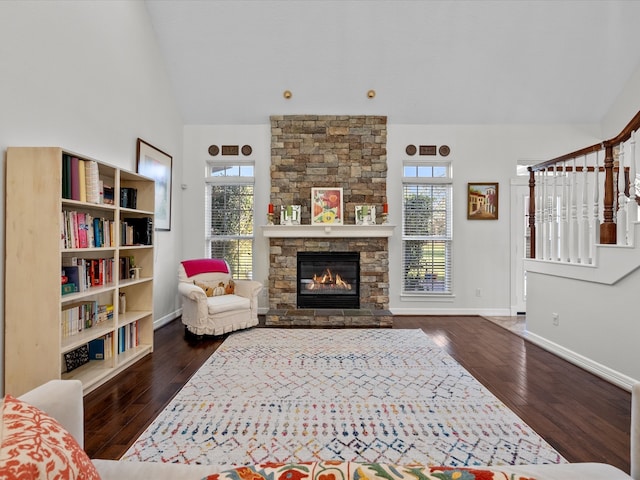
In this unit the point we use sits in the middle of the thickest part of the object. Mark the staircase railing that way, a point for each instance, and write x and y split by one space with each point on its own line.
584 198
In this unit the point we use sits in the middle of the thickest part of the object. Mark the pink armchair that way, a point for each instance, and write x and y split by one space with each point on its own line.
221 313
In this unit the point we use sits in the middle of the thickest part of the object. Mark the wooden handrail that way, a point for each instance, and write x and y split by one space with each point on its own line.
608 226
625 134
568 156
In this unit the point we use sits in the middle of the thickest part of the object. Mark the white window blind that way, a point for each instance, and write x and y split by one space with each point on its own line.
426 229
229 197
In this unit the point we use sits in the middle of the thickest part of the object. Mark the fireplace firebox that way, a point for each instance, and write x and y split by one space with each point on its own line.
328 280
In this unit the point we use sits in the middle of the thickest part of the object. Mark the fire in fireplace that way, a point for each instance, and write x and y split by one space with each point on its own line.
328 280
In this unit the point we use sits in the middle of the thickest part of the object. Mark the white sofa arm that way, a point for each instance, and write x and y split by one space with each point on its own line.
247 288
61 399
194 307
192 291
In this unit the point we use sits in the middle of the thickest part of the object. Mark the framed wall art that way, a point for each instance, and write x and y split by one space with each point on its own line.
482 201
326 205
156 164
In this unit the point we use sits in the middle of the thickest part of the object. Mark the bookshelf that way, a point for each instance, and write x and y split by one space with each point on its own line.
69 252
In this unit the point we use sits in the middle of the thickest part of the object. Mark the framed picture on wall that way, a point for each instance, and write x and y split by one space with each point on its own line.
482 201
155 164
326 205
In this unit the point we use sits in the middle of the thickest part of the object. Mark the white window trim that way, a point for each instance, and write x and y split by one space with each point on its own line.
435 296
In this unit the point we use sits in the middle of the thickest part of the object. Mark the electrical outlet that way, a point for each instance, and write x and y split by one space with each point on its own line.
556 319
478 292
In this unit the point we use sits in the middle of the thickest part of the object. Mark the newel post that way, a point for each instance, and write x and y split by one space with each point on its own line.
532 213
608 227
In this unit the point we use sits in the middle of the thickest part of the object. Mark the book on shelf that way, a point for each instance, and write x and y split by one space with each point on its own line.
66 176
82 230
81 179
74 277
105 313
88 272
101 348
63 230
126 263
107 194
77 317
97 349
128 197
75 178
92 181
142 229
128 337
80 316
98 232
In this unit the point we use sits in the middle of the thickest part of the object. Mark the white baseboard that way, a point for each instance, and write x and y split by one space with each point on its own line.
608 374
160 322
493 312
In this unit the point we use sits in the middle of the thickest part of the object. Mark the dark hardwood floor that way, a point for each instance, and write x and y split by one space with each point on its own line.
584 417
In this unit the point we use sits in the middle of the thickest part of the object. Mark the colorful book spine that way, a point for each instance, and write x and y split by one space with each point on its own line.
82 181
75 178
66 176
93 182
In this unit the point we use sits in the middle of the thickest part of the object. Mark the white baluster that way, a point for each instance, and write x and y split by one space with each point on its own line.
574 227
632 211
553 218
595 233
545 217
564 217
585 236
621 215
539 209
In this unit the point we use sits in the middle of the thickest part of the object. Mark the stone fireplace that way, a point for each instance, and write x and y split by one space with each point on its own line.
348 152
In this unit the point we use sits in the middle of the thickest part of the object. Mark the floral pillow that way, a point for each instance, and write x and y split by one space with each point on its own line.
339 470
33 445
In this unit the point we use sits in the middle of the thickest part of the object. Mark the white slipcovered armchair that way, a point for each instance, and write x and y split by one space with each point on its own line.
222 313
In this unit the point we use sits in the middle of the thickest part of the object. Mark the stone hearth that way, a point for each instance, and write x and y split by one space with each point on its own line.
359 318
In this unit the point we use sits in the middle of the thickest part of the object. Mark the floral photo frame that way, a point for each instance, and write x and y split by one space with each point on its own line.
326 206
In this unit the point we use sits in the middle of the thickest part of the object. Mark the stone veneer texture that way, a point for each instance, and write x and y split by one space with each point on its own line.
343 151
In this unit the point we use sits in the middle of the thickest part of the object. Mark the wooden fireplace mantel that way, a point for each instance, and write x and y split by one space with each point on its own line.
337 231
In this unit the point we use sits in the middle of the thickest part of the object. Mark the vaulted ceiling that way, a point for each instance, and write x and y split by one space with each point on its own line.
428 61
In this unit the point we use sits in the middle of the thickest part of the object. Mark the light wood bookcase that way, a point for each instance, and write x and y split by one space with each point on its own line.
35 344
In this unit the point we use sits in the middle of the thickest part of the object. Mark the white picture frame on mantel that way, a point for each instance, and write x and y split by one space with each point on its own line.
365 215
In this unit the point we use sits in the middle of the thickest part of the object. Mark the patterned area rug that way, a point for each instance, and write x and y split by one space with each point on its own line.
368 395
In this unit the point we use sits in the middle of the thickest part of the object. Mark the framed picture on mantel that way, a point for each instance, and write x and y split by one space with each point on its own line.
156 164
326 205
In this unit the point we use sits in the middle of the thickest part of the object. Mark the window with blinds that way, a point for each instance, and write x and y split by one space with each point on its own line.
426 228
229 197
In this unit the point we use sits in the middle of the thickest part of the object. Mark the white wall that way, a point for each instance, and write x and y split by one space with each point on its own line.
197 139
479 153
597 324
623 109
481 252
88 77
